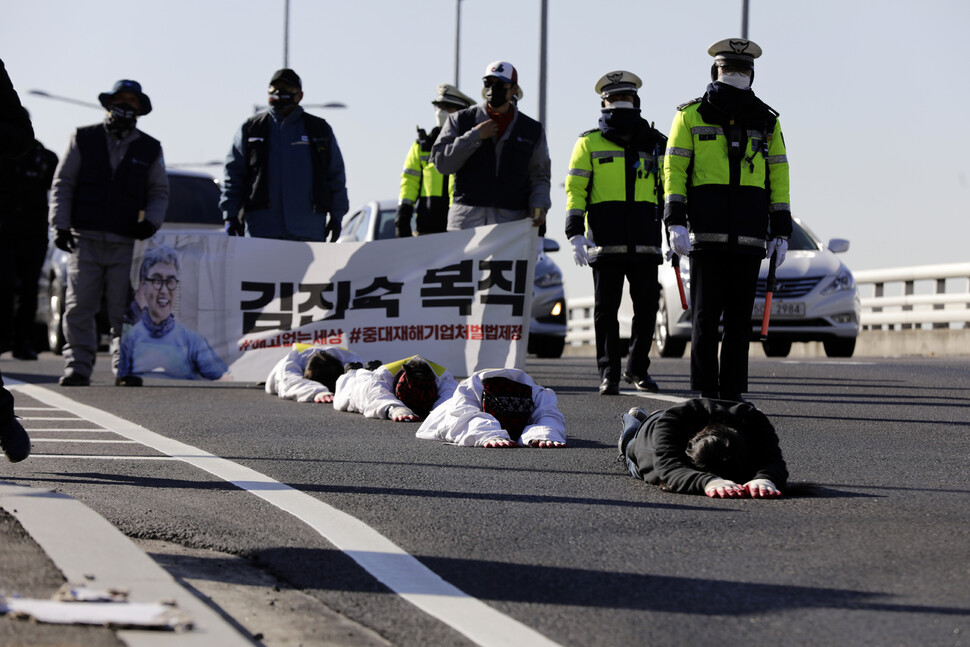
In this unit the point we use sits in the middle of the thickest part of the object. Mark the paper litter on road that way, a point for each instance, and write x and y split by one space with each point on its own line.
73 604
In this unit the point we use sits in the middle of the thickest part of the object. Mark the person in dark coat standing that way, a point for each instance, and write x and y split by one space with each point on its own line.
16 136
719 448
24 183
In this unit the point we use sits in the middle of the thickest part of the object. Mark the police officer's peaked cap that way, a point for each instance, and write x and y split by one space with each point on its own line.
127 85
287 76
452 96
618 82
739 51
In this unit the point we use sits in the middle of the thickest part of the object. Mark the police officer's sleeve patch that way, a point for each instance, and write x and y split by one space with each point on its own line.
589 132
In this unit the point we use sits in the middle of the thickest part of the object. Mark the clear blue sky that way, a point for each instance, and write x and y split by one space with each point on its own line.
873 94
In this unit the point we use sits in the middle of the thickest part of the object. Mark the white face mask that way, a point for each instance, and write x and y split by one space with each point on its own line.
735 79
620 104
441 116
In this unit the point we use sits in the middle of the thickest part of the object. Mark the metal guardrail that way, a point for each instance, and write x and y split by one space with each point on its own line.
928 295
903 298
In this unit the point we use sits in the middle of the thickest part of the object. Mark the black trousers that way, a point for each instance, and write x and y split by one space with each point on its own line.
608 291
722 285
21 260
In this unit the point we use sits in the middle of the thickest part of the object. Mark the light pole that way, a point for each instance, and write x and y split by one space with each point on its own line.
48 95
744 19
544 13
457 38
286 33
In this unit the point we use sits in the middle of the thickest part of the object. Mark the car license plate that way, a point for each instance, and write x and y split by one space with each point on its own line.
792 309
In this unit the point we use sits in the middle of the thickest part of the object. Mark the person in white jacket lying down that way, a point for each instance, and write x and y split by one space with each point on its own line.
403 391
498 407
309 373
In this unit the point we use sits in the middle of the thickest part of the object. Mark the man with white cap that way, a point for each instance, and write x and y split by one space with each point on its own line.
613 198
498 155
426 193
727 204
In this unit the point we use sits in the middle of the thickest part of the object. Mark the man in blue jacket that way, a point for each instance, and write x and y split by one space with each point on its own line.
284 173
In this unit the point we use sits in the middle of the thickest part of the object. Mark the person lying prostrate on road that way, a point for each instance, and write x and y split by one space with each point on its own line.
498 407
309 373
404 391
720 448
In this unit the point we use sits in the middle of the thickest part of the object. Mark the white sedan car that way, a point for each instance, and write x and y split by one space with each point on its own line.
815 299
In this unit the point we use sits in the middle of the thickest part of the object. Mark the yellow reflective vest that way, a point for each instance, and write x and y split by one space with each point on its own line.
613 197
728 202
424 188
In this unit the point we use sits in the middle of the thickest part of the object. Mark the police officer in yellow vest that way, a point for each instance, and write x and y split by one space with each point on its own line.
727 206
423 189
613 198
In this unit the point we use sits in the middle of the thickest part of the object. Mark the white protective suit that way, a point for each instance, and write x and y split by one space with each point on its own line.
372 392
286 379
462 421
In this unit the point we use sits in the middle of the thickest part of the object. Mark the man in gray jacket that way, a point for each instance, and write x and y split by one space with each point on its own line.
498 155
109 189
284 173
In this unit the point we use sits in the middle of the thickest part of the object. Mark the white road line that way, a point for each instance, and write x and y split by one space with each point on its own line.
36 408
395 568
47 418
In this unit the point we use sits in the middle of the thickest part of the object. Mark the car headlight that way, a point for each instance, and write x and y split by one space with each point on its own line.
548 280
842 281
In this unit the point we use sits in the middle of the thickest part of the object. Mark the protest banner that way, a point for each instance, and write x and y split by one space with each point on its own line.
462 298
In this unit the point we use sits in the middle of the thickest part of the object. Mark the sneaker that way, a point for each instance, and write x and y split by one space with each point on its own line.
639 414
14 440
609 387
128 380
645 383
74 379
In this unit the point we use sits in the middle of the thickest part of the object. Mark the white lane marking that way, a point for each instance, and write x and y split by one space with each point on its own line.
36 408
47 418
658 396
399 571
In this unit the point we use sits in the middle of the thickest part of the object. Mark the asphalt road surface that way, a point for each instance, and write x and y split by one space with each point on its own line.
422 543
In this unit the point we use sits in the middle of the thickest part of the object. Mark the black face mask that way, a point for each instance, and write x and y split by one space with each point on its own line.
497 95
121 119
279 99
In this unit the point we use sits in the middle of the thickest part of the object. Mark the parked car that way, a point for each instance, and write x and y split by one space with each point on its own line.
815 299
193 203
547 330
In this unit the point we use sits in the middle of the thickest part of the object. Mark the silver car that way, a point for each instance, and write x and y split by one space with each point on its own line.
815 300
547 330
193 203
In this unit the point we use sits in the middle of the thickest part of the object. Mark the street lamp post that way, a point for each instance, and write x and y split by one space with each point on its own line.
48 95
457 38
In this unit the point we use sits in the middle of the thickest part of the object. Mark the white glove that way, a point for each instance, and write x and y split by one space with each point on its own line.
580 243
680 240
780 247
724 489
761 489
